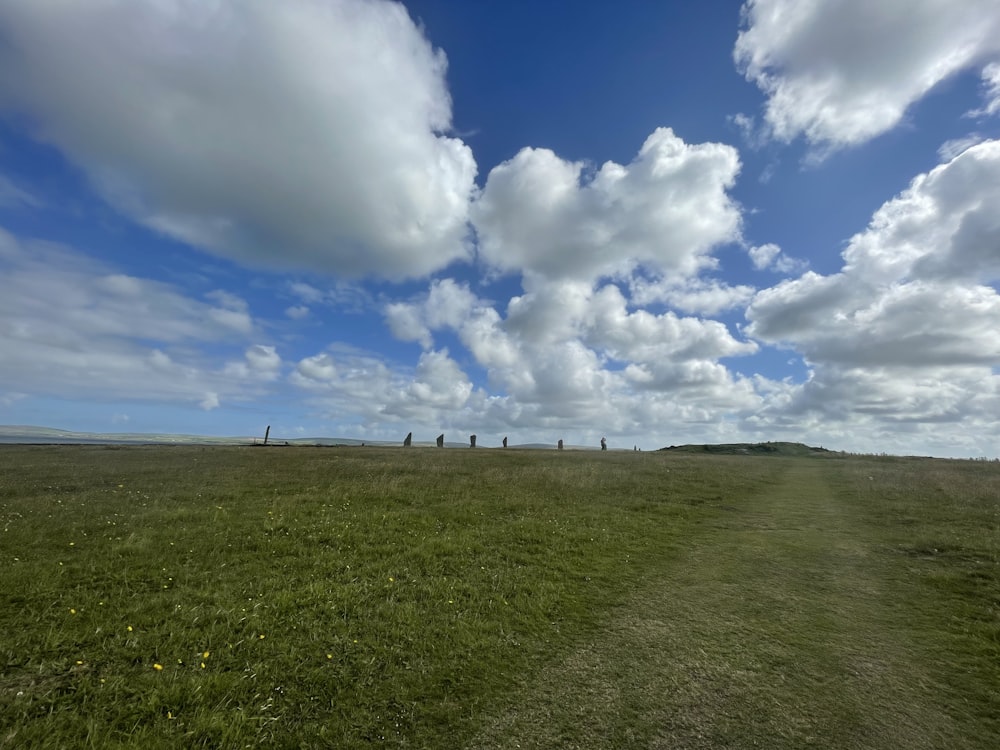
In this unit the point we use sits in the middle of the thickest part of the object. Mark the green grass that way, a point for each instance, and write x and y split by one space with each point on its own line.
424 598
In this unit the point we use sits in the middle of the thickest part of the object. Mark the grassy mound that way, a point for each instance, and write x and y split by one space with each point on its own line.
751 449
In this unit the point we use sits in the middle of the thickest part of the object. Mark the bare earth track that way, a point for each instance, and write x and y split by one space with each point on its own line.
782 627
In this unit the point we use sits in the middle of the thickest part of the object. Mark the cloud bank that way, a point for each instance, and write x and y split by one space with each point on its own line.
909 330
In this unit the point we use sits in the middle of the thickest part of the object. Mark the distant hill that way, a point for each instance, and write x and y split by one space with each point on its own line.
751 449
31 434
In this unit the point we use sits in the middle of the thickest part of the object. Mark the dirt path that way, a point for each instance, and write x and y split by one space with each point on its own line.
778 628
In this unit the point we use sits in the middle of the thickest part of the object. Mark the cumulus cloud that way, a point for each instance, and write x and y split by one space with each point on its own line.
770 256
439 384
260 363
70 327
304 133
909 329
946 225
569 354
348 383
446 304
764 255
841 73
540 214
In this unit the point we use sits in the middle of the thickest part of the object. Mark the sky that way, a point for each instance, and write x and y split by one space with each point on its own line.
662 223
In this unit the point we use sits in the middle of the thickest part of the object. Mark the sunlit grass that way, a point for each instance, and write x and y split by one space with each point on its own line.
303 597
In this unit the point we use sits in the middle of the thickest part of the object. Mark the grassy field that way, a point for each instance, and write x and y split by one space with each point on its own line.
423 598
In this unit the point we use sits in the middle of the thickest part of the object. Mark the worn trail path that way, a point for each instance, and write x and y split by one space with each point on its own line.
777 628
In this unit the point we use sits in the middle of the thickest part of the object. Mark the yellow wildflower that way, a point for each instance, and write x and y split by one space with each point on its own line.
158 667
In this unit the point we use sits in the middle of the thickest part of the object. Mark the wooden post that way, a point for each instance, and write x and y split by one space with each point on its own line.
266 433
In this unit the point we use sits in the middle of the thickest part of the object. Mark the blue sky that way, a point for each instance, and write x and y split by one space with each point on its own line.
657 222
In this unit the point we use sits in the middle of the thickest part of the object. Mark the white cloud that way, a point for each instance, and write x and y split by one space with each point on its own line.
447 304
314 371
950 149
73 328
910 325
303 133
640 336
306 292
763 255
946 412
438 385
539 214
346 296
945 225
227 300
210 401
570 355
991 91
909 330
355 385
297 312
841 73
406 323
701 296
260 363
770 256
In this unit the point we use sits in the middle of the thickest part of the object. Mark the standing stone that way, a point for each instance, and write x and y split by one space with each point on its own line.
472 441
560 445
604 443
408 440
504 441
441 440
267 432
